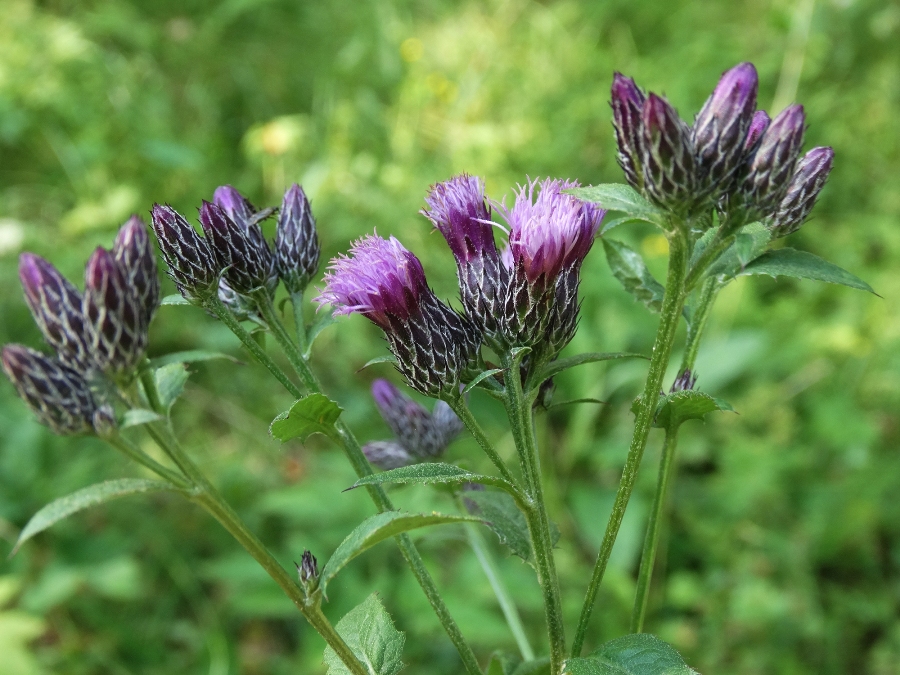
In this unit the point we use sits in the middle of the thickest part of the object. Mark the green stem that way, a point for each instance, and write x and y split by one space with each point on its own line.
299 323
519 411
708 293
133 452
654 527
672 306
361 466
465 415
507 605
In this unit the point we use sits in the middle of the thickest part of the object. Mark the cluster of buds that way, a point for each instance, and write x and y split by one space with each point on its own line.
734 156
418 434
99 333
232 259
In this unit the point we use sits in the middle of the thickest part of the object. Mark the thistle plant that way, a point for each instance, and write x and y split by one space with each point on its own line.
724 191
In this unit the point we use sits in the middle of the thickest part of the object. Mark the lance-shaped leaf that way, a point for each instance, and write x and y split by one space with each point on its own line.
432 473
313 414
622 198
138 416
85 498
555 367
793 263
749 244
369 632
629 268
637 654
378 528
190 356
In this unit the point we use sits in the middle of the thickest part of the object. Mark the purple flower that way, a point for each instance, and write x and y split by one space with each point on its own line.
627 101
137 260
805 186
758 126
240 250
234 204
386 283
668 163
296 241
191 262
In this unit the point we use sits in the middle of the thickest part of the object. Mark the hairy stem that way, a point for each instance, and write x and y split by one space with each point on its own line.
672 306
654 527
708 293
465 415
299 323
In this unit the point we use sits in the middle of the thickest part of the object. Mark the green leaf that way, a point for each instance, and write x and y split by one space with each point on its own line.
82 499
555 367
678 407
390 358
638 654
503 516
622 198
313 414
170 381
749 244
174 299
138 416
316 329
793 263
190 356
482 376
429 473
369 632
378 528
629 268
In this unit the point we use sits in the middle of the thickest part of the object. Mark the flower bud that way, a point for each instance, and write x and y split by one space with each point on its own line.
387 455
757 128
296 241
55 305
805 186
57 394
386 283
137 260
114 316
685 381
773 163
242 252
424 435
720 130
308 571
459 210
235 205
190 259
627 101
241 306
667 156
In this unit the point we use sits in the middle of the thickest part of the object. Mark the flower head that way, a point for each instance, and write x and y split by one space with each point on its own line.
240 250
668 162
235 205
627 100
191 262
135 257
296 241
757 128
803 191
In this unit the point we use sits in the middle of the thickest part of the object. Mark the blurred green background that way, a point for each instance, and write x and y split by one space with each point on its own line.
783 554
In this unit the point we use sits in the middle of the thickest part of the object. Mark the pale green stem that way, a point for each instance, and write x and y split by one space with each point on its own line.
299 323
672 306
708 293
133 452
465 415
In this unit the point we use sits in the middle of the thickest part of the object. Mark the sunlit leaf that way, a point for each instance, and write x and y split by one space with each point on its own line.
313 414
622 198
638 654
430 473
802 265
370 633
170 381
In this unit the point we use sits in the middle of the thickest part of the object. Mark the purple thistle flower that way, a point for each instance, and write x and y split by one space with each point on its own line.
137 260
240 250
55 305
114 316
667 159
627 100
57 394
757 128
190 259
806 184
459 210
720 129
386 283
297 247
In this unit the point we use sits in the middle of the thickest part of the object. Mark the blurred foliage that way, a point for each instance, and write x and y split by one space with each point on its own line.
784 550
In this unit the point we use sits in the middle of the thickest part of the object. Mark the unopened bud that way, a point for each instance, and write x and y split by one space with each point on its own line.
684 382
191 262
807 183
135 256
296 241
308 572
627 100
242 252
668 158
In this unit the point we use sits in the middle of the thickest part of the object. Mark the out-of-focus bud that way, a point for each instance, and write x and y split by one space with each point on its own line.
386 283
684 382
56 307
667 156
104 422
720 130
114 316
57 394
296 241
242 252
190 259
135 256
627 100
308 572
387 455
806 184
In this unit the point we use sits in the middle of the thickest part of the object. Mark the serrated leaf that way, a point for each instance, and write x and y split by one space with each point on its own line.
138 416
482 376
316 329
555 367
85 498
622 198
174 299
638 654
369 632
430 473
313 414
376 529
190 356
170 381
390 358
629 268
803 265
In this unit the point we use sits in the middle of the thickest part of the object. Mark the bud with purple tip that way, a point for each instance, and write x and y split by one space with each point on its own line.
721 127
806 184
757 128
308 572
685 381
57 394
56 307
114 316
241 252
386 283
190 259
627 102
459 210
296 241
233 203
135 257
668 164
